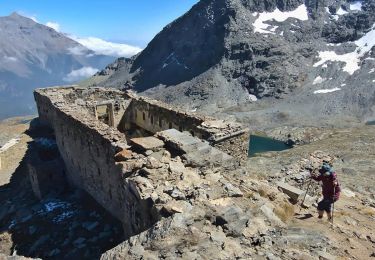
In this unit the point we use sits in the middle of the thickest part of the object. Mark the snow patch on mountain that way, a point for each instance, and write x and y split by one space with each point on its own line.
356 6
351 59
260 26
318 80
325 91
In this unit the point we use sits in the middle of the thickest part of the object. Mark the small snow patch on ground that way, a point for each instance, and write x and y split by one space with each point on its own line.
372 71
356 6
259 26
252 98
9 144
343 85
318 80
341 11
324 91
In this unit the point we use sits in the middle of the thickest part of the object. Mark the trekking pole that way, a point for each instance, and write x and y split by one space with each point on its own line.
333 204
307 190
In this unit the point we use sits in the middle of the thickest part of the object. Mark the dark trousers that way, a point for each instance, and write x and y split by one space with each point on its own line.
326 205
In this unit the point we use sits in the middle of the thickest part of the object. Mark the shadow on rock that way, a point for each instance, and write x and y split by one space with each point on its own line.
64 223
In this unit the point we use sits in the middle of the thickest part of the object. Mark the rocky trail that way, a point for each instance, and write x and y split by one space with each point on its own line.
246 207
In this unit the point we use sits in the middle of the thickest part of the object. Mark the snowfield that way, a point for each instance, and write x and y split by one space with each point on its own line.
324 91
259 26
351 59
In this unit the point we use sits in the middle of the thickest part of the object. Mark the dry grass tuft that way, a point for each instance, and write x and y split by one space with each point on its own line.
285 211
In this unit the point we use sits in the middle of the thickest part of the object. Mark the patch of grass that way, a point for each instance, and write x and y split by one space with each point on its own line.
284 211
368 212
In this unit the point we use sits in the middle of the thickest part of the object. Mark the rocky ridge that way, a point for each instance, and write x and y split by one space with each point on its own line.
316 56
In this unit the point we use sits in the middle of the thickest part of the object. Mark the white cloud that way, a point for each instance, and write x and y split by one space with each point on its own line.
78 50
10 59
80 74
54 26
100 46
259 26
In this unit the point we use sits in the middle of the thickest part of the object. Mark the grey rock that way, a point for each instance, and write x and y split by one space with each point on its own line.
32 230
79 240
233 220
232 190
90 225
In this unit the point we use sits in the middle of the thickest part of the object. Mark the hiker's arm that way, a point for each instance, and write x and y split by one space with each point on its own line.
334 179
316 177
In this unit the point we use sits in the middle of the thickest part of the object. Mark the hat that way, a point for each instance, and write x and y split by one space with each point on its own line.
327 168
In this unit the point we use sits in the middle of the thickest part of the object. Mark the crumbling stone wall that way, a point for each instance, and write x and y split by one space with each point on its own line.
236 146
88 148
155 116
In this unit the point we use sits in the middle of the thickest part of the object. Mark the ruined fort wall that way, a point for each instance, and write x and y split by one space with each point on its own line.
156 117
88 148
236 146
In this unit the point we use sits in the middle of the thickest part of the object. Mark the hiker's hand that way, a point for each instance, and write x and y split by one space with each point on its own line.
335 183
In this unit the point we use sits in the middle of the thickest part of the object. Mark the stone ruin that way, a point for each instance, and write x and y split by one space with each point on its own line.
138 158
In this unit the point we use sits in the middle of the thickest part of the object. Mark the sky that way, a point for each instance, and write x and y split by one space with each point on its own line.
131 22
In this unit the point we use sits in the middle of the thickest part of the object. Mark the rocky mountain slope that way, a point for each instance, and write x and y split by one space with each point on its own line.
300 57
33 55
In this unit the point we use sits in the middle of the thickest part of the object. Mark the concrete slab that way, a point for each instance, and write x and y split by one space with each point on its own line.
180 140
293 192
148 143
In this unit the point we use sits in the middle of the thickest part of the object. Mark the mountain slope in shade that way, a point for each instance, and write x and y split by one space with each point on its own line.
274 55
33 55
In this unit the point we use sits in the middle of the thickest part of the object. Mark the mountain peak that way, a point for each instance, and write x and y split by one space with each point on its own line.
17 16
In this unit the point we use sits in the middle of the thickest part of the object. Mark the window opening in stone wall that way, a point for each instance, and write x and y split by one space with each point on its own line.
152 119
103 113
170 126
144 116
117 106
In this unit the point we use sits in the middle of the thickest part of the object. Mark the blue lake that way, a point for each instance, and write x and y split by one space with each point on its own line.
260 144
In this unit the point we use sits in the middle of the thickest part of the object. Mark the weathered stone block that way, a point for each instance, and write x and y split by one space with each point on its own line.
148 143
293 192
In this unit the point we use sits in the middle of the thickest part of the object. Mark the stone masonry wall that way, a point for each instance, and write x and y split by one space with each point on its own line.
237 146
88 147
156 117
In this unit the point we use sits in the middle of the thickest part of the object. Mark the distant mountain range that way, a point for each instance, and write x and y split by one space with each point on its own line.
34 55
264 60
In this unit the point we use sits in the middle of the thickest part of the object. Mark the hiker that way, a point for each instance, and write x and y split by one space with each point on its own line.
330 189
